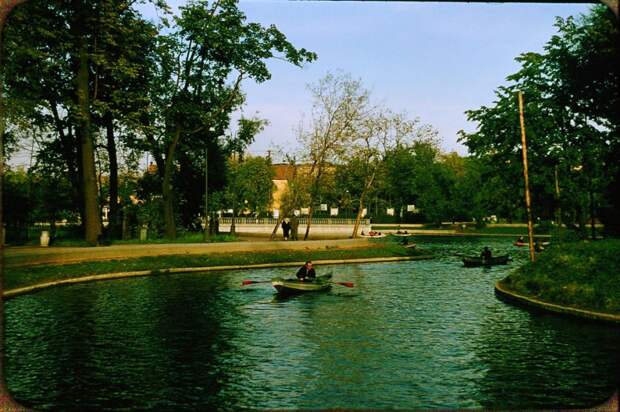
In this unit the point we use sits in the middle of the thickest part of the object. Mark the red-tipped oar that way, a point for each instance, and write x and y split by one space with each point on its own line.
347 284
251 282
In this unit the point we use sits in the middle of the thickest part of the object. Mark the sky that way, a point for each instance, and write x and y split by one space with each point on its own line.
433 61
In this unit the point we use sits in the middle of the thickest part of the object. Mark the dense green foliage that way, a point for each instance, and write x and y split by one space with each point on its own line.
22 276
571 94
250 185
581 274
93 86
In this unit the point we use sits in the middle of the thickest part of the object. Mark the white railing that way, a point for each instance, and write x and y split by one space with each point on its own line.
302 221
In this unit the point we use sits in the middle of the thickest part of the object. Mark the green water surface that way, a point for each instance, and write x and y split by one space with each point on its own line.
410 335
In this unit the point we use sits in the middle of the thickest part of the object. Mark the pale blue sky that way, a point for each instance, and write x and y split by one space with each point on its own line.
432 60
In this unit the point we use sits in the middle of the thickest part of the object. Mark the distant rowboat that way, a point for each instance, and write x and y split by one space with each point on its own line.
374 235
475 261
521 244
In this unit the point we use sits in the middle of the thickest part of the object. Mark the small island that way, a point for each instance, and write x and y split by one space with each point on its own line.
576 275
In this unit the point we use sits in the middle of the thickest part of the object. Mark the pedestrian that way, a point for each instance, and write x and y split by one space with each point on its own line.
294 227
285 229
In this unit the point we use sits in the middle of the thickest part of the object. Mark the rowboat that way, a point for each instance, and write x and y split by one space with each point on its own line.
294 286
474 261
373 235
527 244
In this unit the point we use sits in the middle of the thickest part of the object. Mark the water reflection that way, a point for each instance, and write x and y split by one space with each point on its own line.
546 361
409 335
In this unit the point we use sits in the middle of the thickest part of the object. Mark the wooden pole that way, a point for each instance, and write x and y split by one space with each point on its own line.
528 202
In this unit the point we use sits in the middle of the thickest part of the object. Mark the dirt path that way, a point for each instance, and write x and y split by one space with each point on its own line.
22 256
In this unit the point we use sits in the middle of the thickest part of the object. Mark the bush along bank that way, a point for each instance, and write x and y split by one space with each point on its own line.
17 277
581 275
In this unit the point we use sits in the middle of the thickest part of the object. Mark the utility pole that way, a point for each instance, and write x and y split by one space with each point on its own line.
528 202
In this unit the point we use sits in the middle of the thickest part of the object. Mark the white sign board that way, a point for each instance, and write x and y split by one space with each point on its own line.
276 213
333 211
364 212
390 211
410 208
324 207
296 212
305 210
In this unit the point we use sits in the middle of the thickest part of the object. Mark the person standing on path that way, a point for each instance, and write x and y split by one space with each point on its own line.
285 229
294 226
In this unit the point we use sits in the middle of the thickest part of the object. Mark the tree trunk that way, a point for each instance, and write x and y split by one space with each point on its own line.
92 223
113 215
166 189
68 145
358 218
315 188
309 223
80 175
274 232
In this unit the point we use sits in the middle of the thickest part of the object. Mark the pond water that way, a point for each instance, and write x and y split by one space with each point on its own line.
422 334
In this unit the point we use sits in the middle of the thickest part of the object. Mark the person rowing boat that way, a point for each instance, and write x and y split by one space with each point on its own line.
306 273
486 254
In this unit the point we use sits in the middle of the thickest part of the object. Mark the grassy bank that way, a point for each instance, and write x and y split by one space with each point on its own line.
584 275
64 240
23 276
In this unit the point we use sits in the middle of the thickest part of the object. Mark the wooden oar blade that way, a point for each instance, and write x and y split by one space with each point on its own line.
347 284
252 282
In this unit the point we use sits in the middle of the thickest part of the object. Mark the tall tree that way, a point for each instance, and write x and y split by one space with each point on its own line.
122 61
211 44
378 134
571 95
75 78
249 186
340 104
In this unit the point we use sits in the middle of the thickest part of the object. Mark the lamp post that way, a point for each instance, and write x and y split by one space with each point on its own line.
206 212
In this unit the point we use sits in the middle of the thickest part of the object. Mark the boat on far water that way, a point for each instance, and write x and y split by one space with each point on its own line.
295 286
521 244
475 261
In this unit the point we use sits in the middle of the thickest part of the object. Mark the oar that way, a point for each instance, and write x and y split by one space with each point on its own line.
347 284
251 282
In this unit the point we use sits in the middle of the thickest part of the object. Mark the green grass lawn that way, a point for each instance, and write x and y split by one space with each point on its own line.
23 275
69 240
584 275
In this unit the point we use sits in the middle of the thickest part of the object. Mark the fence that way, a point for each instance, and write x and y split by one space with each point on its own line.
321 227
302 221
